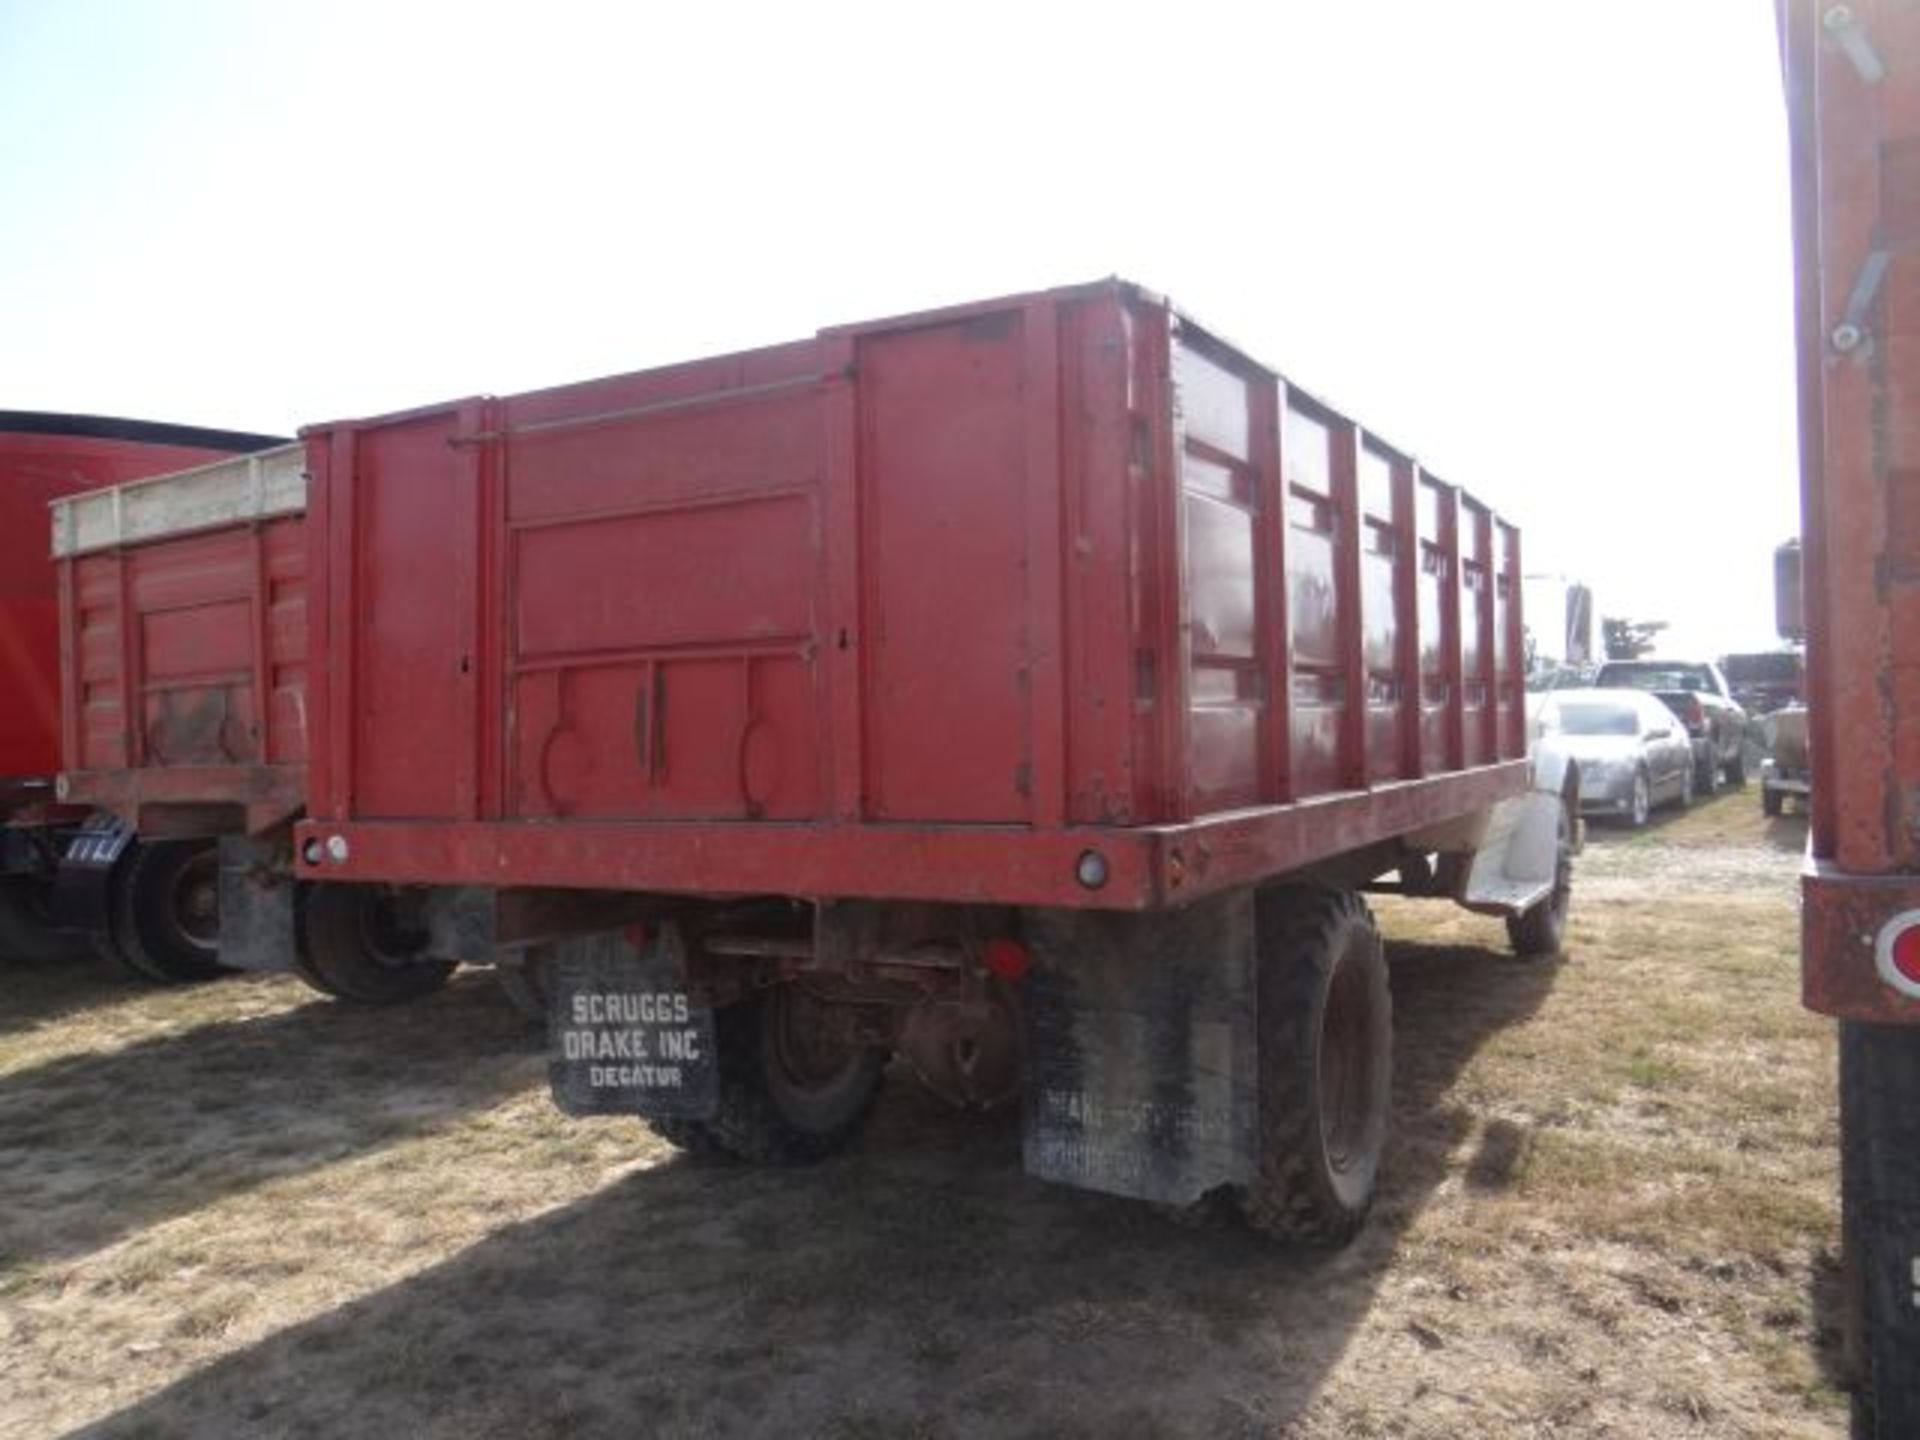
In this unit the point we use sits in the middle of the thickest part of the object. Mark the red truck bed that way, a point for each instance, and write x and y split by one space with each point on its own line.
43 457
1057 599
184 630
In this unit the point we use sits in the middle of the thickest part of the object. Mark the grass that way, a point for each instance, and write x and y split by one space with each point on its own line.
1608 1209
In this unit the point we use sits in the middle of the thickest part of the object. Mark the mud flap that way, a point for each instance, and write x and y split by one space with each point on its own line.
1515 866
256 904
624 1035
1139 1041
82 886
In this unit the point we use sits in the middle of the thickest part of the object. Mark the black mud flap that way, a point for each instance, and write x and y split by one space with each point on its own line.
82 886
1139 1037
256 903
624 1035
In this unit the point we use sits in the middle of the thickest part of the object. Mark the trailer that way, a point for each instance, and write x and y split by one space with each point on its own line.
1853 96
1028 689
184 676
44 456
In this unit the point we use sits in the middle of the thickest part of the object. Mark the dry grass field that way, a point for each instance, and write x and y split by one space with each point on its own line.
241 1210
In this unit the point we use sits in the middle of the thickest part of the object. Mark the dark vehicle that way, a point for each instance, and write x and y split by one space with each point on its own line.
1853 101
1697 693
1631 752
1765 681
1030 689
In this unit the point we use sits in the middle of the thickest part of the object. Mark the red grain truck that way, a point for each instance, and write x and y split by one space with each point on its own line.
184 641
1027 689
42 457
1853 92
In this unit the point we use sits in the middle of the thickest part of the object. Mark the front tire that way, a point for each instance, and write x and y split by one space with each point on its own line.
788 1095
357 944
164 911
1880 1224
1325 1060
1642 803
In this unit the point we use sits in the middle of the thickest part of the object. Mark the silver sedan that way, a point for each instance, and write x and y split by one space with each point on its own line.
1632 753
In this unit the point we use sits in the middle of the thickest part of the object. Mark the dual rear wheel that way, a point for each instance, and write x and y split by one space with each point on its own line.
354 942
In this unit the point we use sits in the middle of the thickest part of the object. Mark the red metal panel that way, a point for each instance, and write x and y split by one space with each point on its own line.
1219 496
43 457
411 490
1313 605
1026 569
949 646
188 655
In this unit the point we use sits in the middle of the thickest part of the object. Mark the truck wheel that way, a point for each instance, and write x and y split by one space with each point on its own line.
1542 930
1642 801
1737 769
788 1094
361 947
26 924
1325 1039
165 911
1880 1223
1773 803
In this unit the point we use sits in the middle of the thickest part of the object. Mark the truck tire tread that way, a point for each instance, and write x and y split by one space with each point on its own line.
333 946
1305 933
751 1122
143 935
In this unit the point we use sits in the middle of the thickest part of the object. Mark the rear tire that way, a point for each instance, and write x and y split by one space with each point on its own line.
165 911
27 933
1689 783
1325 1059
1880 1224
359 947
1542 931
785 1098
1773 803
1737 769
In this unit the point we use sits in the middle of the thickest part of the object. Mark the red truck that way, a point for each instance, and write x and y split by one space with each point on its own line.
1028 689
1853 91
184 636
44 456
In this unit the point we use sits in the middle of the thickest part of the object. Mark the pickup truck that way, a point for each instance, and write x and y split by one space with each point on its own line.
1698 693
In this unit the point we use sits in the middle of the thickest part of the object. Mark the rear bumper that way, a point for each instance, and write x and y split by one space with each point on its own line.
258 797
1144 867
1840 920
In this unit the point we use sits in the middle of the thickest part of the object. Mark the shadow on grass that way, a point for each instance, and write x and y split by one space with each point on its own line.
34 993
918 1285
97 1146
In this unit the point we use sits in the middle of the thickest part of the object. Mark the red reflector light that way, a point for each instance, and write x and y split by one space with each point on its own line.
1906 953
1695 715
1007 959
1896 953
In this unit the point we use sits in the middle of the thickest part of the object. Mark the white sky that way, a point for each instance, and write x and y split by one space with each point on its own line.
1545 245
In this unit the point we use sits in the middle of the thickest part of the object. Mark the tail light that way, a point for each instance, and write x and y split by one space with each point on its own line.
1696 716
1897 953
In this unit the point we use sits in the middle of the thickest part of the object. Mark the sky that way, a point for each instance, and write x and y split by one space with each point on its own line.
1542 244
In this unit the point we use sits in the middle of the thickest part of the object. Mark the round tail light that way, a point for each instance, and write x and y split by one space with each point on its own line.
1897 953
